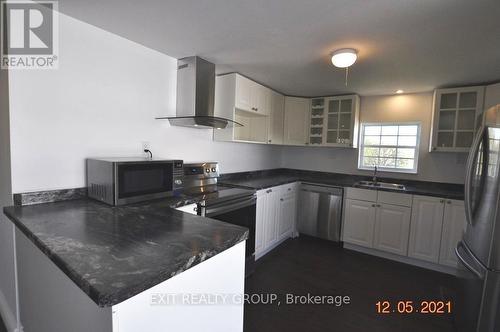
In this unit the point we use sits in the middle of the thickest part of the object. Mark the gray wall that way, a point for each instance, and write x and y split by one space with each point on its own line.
7 285
440 167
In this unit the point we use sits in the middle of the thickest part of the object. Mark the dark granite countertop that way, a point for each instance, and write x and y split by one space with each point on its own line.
114 253
275 177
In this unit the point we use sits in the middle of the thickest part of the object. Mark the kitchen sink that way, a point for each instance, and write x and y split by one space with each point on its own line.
381 185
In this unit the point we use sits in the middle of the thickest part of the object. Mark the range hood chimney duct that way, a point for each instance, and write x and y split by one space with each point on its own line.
196 95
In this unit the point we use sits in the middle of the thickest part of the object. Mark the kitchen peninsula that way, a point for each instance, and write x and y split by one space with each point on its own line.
104 268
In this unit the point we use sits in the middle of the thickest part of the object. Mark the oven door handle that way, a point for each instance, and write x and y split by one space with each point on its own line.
227 207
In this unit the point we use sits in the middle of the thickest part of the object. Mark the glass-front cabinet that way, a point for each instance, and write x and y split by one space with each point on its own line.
334 121
456 116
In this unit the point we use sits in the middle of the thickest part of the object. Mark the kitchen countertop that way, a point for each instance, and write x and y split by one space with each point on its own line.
114 253
270 178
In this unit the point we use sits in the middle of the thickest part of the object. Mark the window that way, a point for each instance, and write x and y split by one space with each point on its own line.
390 147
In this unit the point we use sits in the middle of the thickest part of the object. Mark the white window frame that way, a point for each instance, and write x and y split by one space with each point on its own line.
389 169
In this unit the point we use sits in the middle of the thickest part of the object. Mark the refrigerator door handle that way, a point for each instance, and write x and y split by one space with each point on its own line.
468 173
464 261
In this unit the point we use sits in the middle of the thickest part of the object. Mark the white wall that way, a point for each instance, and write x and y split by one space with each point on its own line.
440 167
102 101
7 285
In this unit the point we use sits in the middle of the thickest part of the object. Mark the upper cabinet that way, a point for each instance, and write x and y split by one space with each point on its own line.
276 119
455 118
251 96
269 117
334 121
239 99
297 115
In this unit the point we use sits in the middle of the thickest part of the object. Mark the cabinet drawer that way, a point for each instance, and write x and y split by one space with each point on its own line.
394 198
361 194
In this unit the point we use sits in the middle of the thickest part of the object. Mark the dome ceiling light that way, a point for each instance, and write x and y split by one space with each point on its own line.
344 58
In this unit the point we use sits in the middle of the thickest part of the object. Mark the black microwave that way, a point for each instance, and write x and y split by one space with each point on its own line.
119 181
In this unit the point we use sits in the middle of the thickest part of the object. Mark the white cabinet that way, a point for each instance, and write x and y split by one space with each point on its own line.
266 220
334 121
257 108
454 223
379 220
425 230
287 215
276 119
455 118
276 217
296 121
251 96
359 222
391 228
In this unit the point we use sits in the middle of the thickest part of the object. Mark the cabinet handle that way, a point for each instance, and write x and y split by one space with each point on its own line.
441 201
281 199
378 205
449 202
289 189
374 205
269 191
269 141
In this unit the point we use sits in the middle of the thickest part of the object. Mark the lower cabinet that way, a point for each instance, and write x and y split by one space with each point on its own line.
454 224
359 224
391 228
421 227
426 227
276 217
380 226
287 215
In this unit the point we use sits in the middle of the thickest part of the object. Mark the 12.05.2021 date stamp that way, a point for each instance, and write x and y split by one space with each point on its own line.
386 307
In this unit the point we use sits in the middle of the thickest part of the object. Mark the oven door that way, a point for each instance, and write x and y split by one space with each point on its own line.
241 212
142 181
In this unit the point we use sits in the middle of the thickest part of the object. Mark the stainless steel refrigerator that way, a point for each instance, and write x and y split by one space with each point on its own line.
477 306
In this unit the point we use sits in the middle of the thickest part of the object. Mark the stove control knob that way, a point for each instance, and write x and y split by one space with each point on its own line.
214 169
207 170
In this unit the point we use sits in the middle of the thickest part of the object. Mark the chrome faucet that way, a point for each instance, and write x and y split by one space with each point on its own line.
375 175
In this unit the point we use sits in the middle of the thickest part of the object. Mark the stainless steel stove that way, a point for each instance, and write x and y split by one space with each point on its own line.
229 204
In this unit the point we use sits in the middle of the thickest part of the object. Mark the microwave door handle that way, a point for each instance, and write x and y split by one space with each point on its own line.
468 173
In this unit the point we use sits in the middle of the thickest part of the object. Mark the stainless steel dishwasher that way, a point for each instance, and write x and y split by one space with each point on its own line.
320 211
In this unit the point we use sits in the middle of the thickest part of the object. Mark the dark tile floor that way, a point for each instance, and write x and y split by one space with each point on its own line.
307 265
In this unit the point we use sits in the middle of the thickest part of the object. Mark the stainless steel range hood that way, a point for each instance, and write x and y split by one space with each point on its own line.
195 96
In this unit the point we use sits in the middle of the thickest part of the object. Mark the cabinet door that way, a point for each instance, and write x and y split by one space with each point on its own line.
271 218
296 121
454 223
287 215
243 93
359 223
456 117
341 121
392 228
261 215
276 116
425 229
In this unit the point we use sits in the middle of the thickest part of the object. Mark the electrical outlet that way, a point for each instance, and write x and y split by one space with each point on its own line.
146 146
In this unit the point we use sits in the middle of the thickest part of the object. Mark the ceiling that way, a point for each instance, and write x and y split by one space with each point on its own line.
414 45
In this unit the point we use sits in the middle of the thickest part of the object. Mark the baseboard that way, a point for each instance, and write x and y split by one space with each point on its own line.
8 316
402 259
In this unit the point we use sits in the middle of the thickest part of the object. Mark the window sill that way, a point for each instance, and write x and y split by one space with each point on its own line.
388 170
